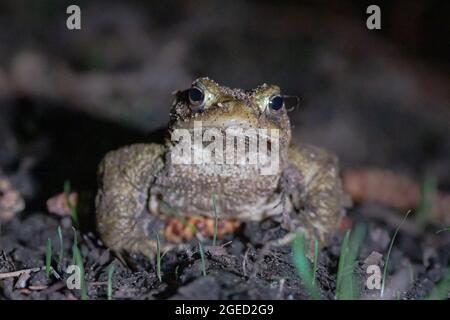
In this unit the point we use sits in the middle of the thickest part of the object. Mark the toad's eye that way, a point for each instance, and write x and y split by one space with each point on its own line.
196 96
276 102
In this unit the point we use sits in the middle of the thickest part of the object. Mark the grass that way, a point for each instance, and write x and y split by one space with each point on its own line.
342 261
72 208
177 272
110 274
216 221
61 245
48 257
346 285
158 257
383 279
75 244
202 257
303 266
79 262
428 191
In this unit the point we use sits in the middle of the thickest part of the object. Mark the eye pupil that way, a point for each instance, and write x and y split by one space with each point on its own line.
276 102
196 96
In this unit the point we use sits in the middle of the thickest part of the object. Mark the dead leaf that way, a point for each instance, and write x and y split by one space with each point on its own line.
59 204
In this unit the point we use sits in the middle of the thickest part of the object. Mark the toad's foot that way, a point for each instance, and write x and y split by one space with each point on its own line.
126 175
315 194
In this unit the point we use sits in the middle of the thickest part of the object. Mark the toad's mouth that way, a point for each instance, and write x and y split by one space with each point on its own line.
220 124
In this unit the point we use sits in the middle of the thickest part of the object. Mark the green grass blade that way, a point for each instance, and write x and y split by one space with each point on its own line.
75 244
383 279
67 187
177 272
303 266
72 208
79 262
73 214
428 193
61 245
158 257
48 257
202 257
110 274
342 263
346 286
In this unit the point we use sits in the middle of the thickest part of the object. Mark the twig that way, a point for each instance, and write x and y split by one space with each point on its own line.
244 263
442 230
55 274
22 281
38 287
226 244
18 273
98 283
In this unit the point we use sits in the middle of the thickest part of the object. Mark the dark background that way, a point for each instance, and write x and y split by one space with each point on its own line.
377 98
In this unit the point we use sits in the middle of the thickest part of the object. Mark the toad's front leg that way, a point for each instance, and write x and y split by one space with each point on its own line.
315 194
125 178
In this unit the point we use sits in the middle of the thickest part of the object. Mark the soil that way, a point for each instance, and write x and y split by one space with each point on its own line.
358 101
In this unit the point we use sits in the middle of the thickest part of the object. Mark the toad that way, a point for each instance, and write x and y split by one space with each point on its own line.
145 192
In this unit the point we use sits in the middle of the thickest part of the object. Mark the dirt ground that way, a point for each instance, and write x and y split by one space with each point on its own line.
68 98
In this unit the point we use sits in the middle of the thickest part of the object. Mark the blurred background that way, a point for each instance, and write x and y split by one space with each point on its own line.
380 99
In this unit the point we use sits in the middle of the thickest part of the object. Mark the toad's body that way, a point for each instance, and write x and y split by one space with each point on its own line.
141 185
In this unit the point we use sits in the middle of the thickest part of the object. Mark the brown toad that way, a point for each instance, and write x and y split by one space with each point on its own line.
142 187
